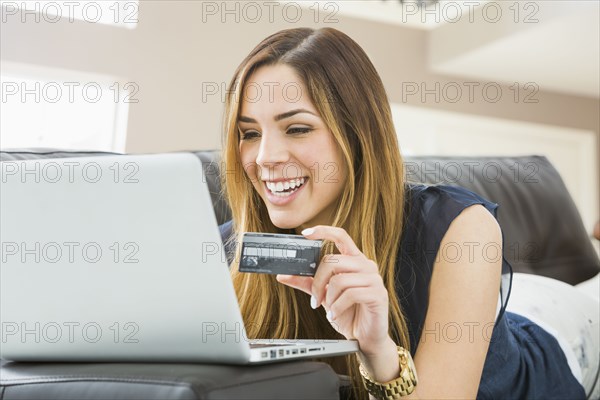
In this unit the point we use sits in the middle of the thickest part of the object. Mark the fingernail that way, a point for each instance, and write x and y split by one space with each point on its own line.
329 315
308 231
313 301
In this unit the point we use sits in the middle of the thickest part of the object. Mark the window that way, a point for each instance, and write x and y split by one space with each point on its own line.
122 13
46 107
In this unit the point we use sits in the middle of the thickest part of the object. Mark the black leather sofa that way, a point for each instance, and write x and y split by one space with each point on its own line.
543 235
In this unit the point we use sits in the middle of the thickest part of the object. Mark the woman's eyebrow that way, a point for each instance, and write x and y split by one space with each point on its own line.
279 117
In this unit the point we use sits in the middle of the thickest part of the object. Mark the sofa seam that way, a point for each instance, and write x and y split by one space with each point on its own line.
58 152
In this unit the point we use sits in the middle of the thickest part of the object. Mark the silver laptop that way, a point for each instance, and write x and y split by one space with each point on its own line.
119 258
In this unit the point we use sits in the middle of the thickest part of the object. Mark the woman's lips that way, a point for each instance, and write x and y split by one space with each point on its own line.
283 200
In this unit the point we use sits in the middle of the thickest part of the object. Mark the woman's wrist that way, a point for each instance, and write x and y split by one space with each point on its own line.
381 363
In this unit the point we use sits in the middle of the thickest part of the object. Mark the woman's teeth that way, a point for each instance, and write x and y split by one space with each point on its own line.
284 189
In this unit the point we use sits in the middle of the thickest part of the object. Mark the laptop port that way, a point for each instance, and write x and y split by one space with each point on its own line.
281 353
287 352
264 354
295 351
314 349
273 354
302 351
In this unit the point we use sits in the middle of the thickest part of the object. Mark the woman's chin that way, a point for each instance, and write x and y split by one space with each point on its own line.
285 225
285 222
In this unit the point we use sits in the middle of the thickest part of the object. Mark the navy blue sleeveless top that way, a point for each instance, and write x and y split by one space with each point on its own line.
523 360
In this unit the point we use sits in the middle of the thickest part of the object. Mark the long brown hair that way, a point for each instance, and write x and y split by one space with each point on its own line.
348 93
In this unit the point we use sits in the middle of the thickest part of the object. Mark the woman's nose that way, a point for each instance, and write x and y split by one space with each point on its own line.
272 151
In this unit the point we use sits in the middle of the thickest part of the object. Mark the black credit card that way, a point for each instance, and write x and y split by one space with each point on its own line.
273 253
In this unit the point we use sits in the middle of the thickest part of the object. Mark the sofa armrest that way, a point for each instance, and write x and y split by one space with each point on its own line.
287 380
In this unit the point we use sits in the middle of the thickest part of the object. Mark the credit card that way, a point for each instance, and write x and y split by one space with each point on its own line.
273 253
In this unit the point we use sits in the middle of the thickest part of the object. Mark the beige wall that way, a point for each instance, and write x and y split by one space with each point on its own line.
172 53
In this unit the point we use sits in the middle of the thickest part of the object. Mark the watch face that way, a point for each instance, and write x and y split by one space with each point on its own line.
408 362
411 365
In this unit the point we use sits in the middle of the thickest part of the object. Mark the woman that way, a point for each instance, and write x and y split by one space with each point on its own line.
310 148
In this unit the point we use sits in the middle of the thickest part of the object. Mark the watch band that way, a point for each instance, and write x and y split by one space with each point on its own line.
404 385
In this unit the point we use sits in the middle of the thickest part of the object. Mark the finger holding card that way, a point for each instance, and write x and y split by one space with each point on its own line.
348 285
350 288
303 283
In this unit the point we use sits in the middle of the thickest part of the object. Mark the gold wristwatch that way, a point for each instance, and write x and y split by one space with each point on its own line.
404 385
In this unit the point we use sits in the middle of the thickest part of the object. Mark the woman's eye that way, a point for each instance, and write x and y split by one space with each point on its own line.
292 131
249 135
299 130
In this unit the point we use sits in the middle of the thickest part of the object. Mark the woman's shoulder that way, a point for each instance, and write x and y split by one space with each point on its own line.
226 230
429 195
430 209
435 206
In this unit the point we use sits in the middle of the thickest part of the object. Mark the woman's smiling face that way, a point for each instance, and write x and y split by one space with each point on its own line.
284 142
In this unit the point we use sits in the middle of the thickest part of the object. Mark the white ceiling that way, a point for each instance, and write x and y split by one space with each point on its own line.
558 50
393 12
